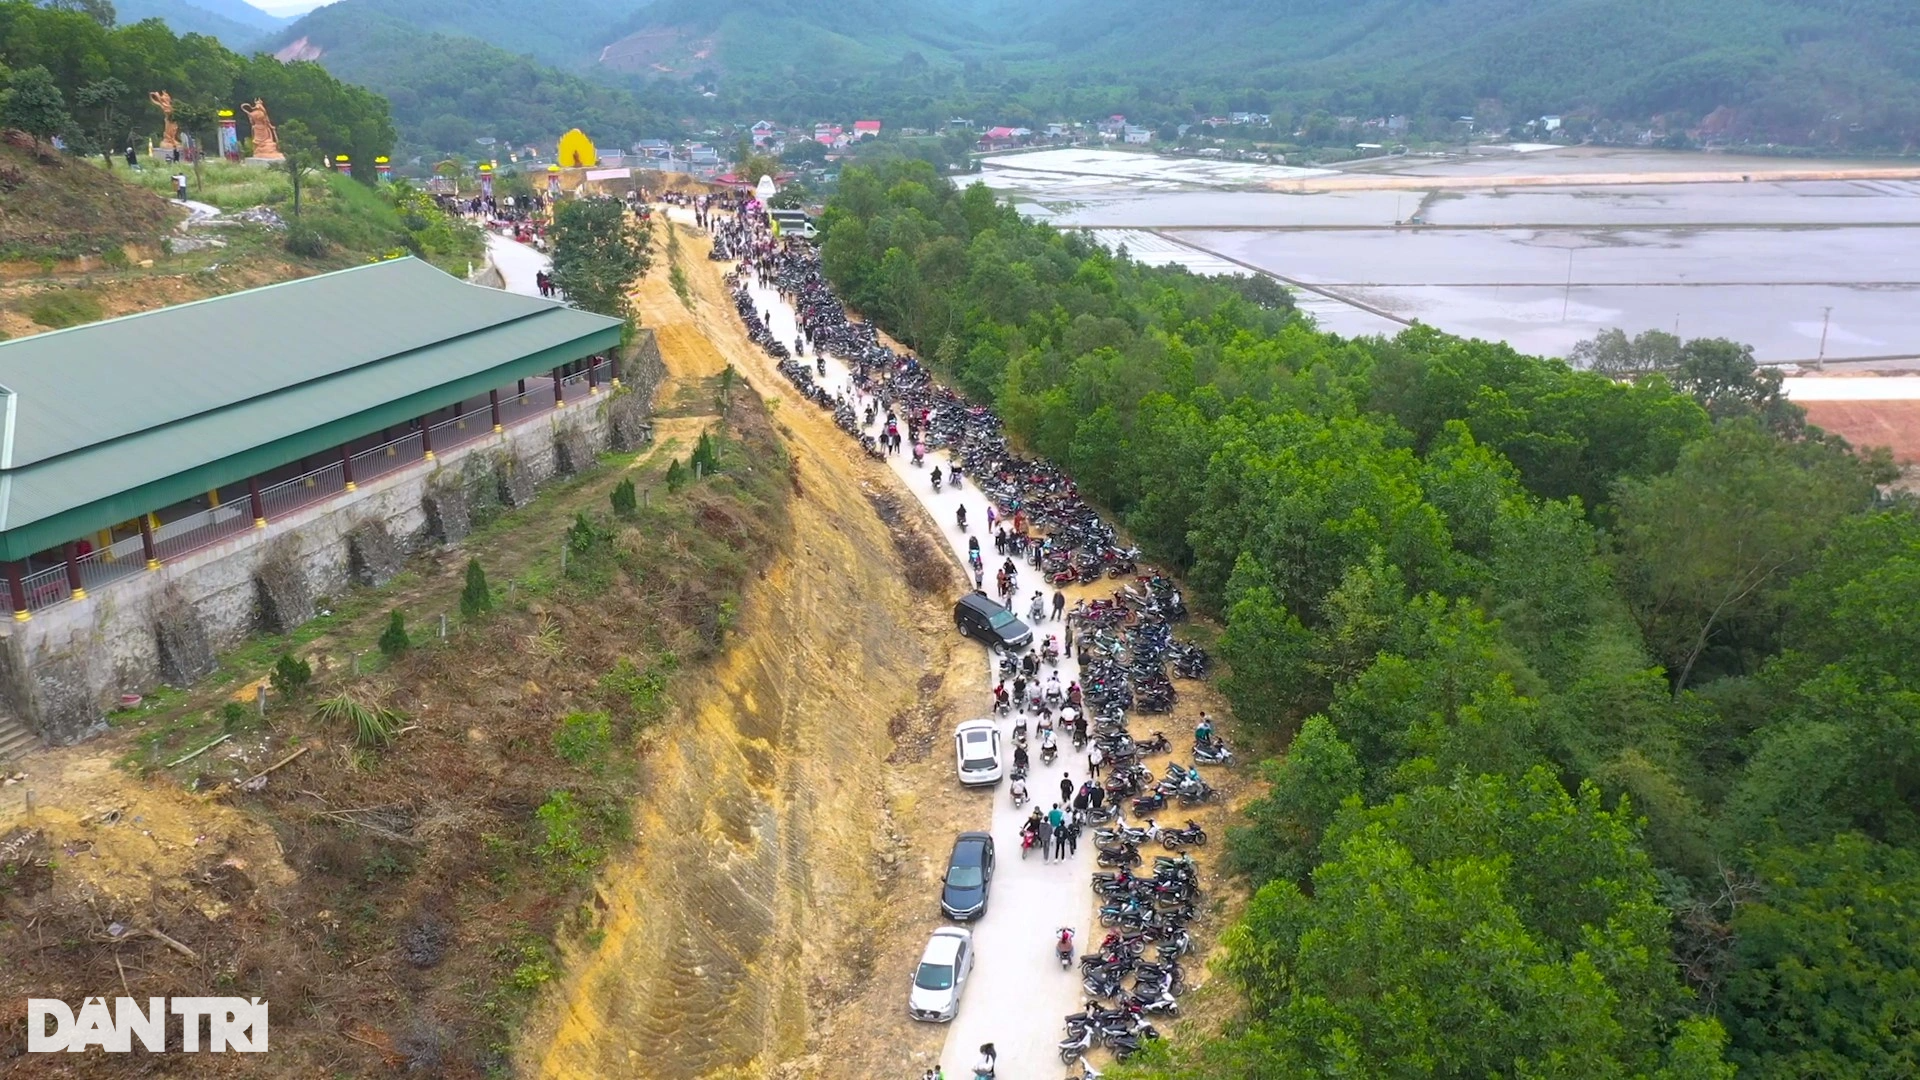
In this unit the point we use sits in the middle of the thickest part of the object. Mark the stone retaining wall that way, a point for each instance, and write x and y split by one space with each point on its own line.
62 670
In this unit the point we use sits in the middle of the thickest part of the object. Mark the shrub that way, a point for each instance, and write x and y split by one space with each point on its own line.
476 599
290 677
235 717
373 725
676 475
115 257
583 738
65 307
564 842
303 241
394 640
625 505
585 534
643 691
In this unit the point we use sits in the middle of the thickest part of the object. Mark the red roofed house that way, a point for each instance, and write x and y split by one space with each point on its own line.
866 129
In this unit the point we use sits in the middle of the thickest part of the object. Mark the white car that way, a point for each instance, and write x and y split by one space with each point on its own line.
976 752
941 976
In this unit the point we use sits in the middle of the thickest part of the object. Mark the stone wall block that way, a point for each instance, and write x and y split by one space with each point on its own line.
373 556
186 653
285 596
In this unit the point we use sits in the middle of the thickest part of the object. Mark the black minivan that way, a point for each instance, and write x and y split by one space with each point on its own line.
978 617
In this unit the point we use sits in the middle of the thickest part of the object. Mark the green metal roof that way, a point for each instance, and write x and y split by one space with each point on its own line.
103 422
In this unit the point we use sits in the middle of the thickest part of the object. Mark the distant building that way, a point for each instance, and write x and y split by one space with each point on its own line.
653 148
1000 138
1550 123
866 129
1138 136
764 132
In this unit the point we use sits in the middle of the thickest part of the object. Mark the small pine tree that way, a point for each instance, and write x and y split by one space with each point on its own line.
676 475
476 599
625 505
394 640
703 456
291 676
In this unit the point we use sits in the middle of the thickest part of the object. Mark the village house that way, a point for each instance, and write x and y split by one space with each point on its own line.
1138 136
866 129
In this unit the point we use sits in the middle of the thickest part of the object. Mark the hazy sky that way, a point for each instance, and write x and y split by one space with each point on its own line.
287 7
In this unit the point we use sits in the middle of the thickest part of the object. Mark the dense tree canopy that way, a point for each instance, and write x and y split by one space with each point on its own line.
1574 667
107 73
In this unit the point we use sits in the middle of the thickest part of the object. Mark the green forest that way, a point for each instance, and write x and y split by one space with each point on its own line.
1591 703
1834 73
448 90
103 75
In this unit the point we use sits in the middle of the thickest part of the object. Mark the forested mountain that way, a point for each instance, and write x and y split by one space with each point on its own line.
446 90
564 33
1824 73
237 24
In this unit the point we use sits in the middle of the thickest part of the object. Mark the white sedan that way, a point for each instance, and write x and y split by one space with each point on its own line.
976 751
941 976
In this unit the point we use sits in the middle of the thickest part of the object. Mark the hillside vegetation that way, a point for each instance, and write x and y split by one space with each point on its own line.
1599 705
103 76
447 90
52 207
237 24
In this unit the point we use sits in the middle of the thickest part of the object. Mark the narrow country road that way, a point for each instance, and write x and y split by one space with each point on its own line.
517 262
1018 993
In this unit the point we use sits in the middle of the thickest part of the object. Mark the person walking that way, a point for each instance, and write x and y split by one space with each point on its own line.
1066 789
1059 605
1043 836
1057 826
1078 822
1069 639
1097 796
1095 758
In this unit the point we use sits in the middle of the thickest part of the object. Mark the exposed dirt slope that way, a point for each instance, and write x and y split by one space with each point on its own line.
767 854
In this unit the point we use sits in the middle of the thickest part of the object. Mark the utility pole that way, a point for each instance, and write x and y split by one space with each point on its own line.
1820 364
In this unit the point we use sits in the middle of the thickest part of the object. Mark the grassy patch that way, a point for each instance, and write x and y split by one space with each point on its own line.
65 307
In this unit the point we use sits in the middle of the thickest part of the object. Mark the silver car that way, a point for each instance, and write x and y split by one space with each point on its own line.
941 976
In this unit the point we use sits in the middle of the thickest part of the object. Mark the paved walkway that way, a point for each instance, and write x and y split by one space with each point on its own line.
1018 994
517 262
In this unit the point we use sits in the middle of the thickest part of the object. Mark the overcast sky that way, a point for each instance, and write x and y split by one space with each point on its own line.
287 7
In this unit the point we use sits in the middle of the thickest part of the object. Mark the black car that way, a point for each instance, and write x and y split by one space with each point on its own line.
969 874
978 617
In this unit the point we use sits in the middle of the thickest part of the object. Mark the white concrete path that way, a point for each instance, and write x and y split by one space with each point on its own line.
517 263
1018 994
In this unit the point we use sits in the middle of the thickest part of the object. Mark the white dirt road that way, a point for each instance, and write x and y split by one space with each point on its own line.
1018 993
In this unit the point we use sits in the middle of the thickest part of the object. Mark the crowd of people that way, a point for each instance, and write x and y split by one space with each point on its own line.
1037 524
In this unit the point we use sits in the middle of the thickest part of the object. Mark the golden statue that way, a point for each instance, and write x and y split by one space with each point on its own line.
170 136
266 141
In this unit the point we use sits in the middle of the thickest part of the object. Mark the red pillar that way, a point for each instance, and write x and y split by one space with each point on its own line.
16 586
72 552
426 437
346 467
559 396
146 542
493 403
459 415
253 500
613 367
593 384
